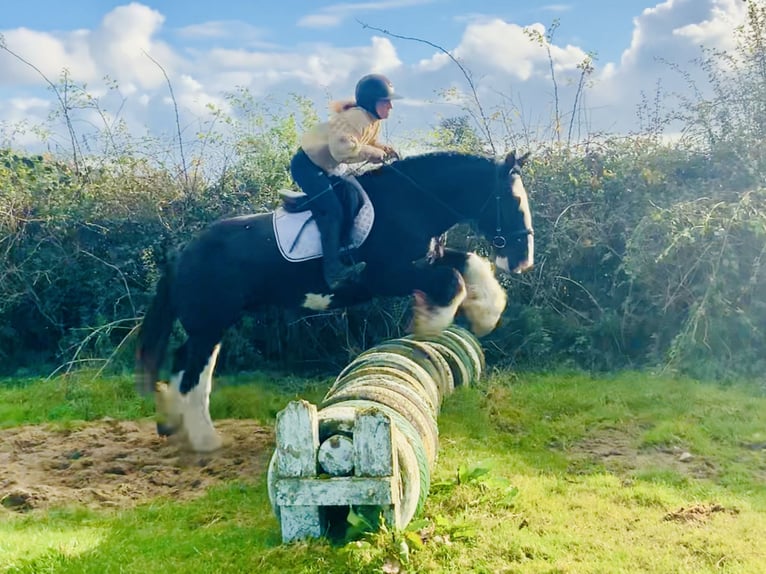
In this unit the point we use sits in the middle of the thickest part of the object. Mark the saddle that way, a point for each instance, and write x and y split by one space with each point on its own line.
297 234
293 201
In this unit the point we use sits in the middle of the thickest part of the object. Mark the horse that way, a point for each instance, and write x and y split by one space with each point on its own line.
236 266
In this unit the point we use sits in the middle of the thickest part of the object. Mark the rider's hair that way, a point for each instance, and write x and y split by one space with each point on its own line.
342 105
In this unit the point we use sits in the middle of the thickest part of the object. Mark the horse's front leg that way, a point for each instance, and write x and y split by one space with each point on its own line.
485 298
438 292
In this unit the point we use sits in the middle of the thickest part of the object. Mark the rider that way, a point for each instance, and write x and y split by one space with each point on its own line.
349 136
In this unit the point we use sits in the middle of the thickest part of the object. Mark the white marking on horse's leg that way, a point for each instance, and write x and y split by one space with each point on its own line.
168 404
429 319
530 250
198 425
502 263
317 301
485 299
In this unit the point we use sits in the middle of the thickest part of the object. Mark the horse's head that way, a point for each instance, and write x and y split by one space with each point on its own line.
445 188
506 219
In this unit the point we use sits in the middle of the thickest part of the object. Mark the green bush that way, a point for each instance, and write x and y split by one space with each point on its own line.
648 253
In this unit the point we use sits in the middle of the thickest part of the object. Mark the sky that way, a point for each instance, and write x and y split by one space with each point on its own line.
319 49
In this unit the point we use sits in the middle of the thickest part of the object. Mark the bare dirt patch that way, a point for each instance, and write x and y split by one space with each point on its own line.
614 448
697 513
120 464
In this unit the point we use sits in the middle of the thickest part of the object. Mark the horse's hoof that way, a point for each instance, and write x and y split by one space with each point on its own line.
165 430
209 442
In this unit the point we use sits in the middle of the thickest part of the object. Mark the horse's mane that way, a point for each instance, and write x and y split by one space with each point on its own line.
441 156
428 162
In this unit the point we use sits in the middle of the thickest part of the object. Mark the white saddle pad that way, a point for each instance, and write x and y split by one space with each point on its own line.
299 240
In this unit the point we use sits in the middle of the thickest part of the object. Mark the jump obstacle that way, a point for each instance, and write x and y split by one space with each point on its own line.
373 442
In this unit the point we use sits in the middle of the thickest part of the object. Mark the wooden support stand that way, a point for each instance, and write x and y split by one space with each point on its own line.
302 496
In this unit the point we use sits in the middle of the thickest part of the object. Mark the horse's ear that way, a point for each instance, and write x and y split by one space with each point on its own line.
510 160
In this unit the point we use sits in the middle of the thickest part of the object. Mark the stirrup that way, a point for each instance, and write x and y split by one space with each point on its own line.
347 274
291 194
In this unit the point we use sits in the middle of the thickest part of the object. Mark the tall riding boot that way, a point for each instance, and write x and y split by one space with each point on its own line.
335 272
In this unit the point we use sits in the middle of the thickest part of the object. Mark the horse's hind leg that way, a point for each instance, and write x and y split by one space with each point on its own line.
184 404
198 425
168 397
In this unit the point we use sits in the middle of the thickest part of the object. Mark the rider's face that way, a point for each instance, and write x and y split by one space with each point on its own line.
383 108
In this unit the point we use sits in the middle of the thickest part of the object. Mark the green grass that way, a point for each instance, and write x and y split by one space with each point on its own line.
74 397
523 483
83 397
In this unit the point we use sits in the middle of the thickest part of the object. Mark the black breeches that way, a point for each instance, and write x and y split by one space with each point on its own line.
317 184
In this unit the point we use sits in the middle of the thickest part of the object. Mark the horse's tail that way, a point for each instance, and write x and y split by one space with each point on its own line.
154 333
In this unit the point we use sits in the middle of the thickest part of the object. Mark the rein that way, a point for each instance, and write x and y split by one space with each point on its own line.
499 240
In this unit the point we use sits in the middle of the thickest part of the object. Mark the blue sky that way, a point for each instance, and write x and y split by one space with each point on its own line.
441 22
319 49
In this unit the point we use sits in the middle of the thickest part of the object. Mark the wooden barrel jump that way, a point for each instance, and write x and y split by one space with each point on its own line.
373 442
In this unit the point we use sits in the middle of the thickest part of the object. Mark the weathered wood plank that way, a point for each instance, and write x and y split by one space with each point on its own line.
297 436
370 456
300 522
339 491
373 447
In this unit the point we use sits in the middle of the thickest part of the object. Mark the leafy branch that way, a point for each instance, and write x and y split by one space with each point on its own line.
178 120
61 97
484 123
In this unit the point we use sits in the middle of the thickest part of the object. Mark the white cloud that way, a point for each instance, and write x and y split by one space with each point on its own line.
501 47
118 48
125 40
49 53
321 20
127 89
212 29
557 7
335 14
716 29
511 71
26 105
510 48
667 35
219 29
194 98
675 29
318 65
226 32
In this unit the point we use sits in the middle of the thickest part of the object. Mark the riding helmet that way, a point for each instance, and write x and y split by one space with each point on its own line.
371 88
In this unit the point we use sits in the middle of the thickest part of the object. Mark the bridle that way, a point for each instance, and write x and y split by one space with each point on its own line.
499 241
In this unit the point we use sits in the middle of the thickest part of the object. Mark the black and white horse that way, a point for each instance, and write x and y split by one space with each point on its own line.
240 264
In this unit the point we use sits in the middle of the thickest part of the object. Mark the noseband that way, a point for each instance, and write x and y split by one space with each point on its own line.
499 240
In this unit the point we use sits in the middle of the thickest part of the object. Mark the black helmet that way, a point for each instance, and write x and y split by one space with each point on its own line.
371 88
